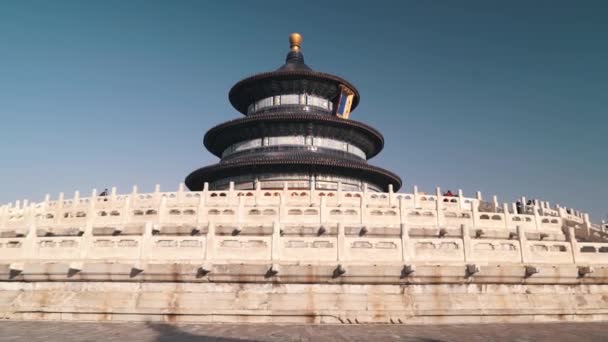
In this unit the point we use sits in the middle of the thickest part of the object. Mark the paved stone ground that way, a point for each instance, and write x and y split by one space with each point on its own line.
158 332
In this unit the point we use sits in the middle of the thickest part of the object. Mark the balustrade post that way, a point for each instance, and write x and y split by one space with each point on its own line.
126 215
276 243
363 206
147 243
231 192
537 218
341 245
313 187
201 210
205 193
258 193
210 242
466 243
439 207
573 245
505 209
92 214
416 202
30 240
283 203
59 202
180 192
323 211
402 212
240 212
157 192
285 190
3 216
86 240
27 213
162 210
523 244
475 214
439 198
406 250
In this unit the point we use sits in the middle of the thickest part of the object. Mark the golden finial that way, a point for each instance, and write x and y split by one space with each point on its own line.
295 40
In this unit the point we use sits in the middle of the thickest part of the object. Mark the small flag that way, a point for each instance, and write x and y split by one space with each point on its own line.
344 102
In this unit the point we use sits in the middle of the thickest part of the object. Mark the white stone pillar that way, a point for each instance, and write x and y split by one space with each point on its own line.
313 187
466 243
146 246
339 194
276 243
210 242
47 198
573 245
461 200
323 211
505 208
162 211
205 193
439 207
258 193
341 245
240 212
363 206
30 244
180 192
285 191
202 214
523 244
537 219
406 248
475 214
126 214
59 202
283 203
3 215
231 193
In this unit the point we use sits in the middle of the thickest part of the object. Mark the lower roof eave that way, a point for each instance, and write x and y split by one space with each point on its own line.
381 177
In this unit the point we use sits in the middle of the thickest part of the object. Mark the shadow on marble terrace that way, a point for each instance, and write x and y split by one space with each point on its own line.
174 333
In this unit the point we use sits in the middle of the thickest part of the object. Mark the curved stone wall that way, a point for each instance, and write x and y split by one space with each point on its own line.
300 256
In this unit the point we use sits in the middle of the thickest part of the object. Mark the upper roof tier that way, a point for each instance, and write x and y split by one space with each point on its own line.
293 77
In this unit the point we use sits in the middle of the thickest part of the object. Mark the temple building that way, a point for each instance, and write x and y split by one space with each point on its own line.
294 226
296 131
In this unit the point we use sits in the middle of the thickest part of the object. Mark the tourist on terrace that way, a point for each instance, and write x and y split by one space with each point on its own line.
520 208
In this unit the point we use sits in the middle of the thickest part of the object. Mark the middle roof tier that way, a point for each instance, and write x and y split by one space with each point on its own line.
360 136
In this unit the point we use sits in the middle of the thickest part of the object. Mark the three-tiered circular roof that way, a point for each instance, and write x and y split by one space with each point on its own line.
294 77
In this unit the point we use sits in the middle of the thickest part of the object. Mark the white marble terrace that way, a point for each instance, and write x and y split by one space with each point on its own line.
287 226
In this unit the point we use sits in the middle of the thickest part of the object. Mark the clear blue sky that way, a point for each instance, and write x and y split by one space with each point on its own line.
506 97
